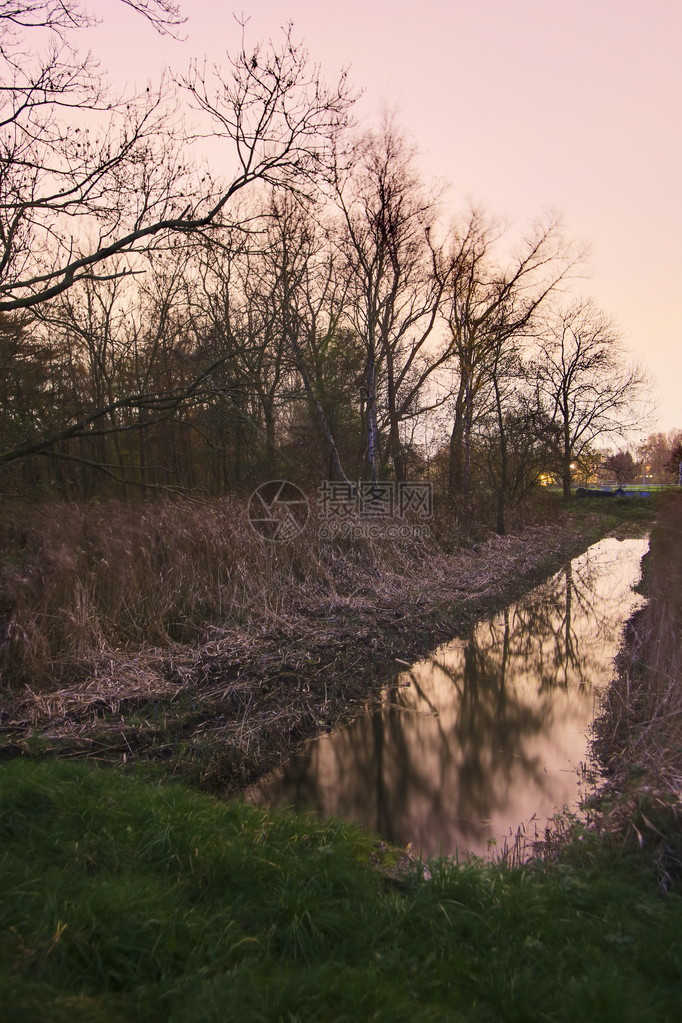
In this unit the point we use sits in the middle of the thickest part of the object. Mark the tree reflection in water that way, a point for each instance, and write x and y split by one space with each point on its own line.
488 732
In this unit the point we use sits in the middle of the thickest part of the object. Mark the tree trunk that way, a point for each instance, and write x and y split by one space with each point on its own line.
566 479
397 453
456 459
270 443
504 460
335 468
371 418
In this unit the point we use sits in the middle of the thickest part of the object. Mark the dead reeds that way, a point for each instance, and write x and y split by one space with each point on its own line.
174 631
82 585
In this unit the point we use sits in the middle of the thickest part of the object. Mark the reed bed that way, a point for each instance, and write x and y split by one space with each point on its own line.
84 586
171 630
81 581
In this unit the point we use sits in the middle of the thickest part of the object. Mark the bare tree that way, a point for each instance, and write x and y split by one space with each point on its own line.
79 204
588 389
622 465
310 295
655 453
395 294
674 464
62 16
490 305
72 195
281 298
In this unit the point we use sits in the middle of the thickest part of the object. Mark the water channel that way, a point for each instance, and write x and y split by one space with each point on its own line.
488 733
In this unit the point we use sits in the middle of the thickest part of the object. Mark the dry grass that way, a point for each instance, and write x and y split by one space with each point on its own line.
84 586
173 631
79 583
638 736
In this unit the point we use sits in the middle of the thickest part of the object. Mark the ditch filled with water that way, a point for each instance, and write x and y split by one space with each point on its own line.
486 735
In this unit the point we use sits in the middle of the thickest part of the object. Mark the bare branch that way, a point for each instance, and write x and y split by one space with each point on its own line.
133 183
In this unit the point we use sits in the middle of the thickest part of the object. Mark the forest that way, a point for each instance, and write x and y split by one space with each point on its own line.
326 313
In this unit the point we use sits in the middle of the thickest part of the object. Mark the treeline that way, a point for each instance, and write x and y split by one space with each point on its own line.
354 335
656 460
297 302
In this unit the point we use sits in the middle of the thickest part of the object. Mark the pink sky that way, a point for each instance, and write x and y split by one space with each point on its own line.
522 105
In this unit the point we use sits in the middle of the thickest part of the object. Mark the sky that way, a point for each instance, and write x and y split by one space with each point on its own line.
522 106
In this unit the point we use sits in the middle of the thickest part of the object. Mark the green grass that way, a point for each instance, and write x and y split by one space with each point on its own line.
620 509
129 899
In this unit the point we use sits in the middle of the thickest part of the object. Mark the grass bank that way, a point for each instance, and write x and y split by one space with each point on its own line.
638 735
173 632
126 899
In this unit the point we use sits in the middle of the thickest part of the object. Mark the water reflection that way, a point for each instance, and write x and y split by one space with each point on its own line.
487 732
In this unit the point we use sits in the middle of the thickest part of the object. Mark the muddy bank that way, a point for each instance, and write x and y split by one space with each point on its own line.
638 734
225 712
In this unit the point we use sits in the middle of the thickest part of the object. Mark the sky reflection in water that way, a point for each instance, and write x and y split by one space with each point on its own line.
485 733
